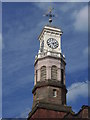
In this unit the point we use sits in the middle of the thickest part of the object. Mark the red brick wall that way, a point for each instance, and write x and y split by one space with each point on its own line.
43 113
84 113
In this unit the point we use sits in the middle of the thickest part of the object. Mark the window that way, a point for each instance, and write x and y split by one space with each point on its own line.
54 93
54 72
62 75
43 73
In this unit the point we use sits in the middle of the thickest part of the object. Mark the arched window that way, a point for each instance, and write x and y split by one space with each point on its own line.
54 93
43 73
54 72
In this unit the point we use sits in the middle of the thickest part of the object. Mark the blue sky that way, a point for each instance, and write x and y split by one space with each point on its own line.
21 26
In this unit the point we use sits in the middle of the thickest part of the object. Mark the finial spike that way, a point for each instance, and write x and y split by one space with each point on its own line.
50 15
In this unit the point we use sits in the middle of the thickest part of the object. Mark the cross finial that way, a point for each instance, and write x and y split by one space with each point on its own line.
49 14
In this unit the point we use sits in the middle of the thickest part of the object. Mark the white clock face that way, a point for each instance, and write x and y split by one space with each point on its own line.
52 43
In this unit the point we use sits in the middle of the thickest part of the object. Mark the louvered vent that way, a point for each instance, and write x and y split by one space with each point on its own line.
54 72
43 73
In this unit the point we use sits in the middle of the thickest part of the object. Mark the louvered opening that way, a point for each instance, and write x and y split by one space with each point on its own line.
43 73
54 72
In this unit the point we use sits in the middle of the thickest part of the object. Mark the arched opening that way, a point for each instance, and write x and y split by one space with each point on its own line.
43 73
54 72
54 93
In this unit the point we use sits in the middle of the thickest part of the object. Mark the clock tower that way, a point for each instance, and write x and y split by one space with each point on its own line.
49 92
50 39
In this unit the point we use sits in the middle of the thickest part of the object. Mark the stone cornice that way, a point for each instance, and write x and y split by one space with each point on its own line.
53 83
48 56
50 29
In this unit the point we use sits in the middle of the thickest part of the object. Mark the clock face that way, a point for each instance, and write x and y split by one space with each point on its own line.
52 43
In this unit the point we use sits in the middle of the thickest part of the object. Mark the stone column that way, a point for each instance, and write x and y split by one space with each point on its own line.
64 77
59 74
38 72
48 71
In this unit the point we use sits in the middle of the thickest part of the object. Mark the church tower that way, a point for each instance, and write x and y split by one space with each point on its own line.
49 92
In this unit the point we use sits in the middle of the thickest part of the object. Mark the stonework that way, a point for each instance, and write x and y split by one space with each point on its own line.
49 61
49 92
45 113
43 91
83 113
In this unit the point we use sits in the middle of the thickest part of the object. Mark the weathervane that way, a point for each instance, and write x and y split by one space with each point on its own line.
50 15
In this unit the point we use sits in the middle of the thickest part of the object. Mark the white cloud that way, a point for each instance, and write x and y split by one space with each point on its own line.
44 6
76 90
67 6
81 19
